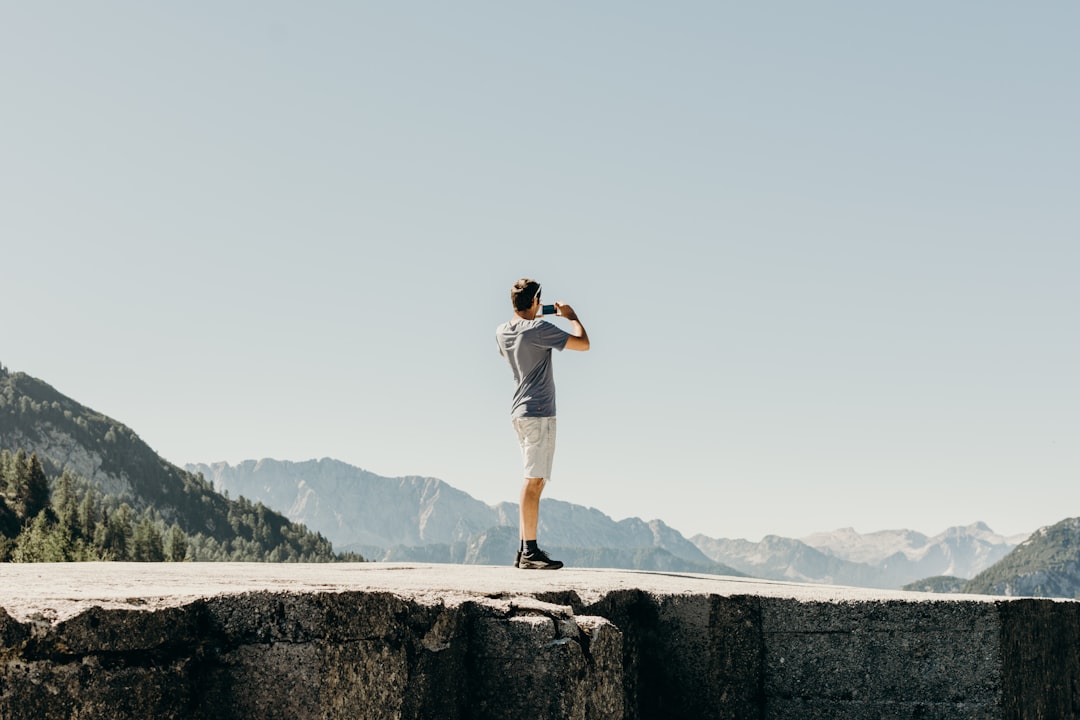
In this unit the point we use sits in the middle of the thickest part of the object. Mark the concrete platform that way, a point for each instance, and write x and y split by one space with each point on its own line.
59 590
373 640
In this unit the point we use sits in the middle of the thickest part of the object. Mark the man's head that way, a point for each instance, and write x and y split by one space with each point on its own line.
524 293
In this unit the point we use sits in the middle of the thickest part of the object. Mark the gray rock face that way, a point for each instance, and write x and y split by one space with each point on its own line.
437 641
353 507
67 452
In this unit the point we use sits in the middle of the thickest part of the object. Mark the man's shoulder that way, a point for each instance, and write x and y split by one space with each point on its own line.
516 327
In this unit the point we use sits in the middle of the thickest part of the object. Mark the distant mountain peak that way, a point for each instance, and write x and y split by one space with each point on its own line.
886 558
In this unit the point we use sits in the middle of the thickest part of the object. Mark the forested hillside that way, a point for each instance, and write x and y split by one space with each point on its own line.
77 485
1045 565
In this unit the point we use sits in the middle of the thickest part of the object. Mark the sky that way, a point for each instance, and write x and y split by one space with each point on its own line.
827 253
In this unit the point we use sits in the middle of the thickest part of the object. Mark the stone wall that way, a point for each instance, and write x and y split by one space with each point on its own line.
608 645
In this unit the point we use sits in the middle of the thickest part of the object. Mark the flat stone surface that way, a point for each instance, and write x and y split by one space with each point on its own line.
57 591
406 641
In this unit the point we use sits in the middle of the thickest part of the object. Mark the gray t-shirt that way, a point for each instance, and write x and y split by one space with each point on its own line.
527 345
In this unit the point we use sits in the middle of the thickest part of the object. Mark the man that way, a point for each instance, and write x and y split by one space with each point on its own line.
526 342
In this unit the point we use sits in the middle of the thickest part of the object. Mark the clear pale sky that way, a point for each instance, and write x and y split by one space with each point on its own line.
827 253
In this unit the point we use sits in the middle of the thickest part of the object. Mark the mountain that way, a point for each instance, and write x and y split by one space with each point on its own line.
353 507
425 519
938 584
870 548
104 458
1047 564
780 558
886 559
958 551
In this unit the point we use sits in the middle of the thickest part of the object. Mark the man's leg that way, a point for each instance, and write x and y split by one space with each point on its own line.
532 557
537 438
530 507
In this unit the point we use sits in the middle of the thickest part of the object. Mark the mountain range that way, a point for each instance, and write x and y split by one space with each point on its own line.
885 559
422 518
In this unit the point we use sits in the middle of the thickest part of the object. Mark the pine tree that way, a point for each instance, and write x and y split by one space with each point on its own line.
31 487
7 474
7 548
87 515
38 497
19 484
176 545
9 521
66 509
116 534
65 505
39 542
146 542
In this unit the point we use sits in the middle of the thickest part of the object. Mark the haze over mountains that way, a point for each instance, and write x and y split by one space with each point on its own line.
885 559
414 518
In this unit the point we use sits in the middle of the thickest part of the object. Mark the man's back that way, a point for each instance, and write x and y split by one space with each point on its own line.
527 345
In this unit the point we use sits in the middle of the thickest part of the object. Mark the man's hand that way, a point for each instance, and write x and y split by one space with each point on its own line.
579 339
565 311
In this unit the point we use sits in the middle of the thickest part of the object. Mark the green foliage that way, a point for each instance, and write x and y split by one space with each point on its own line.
166 514
146 544
39 542
176 545
10 527
938 584
25 485
1047 564
82 524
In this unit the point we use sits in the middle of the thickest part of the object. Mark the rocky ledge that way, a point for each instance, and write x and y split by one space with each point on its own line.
445 642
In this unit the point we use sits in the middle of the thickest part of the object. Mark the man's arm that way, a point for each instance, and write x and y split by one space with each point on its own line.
579 339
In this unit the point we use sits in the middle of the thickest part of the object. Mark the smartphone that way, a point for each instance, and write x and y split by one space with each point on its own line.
547 309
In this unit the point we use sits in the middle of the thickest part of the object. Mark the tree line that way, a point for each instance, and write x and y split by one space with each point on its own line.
68 519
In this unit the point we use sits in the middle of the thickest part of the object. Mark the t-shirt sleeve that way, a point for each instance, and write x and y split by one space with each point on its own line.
548 335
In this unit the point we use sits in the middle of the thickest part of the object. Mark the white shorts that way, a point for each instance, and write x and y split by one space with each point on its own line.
536 435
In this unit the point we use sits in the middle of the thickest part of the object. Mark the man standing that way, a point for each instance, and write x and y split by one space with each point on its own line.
526 342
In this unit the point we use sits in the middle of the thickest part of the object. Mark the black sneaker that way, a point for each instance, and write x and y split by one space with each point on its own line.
517 560
538 561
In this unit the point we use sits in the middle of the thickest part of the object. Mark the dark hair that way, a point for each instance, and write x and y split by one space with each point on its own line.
523 293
